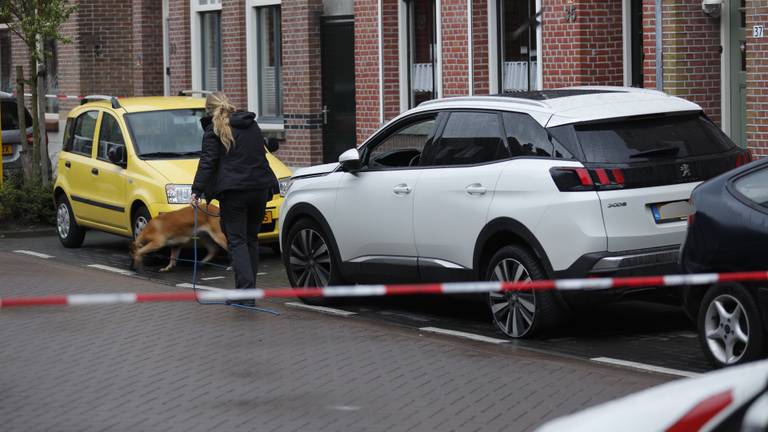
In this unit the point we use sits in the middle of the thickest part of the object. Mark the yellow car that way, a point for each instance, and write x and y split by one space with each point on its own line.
125 161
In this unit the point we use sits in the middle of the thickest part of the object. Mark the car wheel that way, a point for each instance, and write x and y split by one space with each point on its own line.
519 314
140 219
71 234
729 325
310 258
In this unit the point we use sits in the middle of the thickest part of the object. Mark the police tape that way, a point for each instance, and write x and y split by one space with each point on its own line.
387 290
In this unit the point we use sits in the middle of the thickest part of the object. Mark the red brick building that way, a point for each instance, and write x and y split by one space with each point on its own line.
324 74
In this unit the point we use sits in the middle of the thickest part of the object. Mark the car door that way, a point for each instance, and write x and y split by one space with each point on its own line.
77 163
108 179
373 222
455 191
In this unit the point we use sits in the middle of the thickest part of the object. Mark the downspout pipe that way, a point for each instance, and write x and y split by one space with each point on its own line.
659 47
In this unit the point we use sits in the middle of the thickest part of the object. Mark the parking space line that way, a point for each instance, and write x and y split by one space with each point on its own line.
212 278
465 335
321 309
112 269
645 367
202 287
33 253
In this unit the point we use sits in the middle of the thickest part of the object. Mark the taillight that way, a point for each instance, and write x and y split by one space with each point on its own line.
743 158
692 216
583 179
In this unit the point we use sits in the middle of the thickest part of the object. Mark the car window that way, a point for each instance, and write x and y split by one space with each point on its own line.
754 186
403 147
82 140
110 136
468 138
10 116
166 134
526 137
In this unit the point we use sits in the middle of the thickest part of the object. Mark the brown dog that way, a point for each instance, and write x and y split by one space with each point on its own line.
175 229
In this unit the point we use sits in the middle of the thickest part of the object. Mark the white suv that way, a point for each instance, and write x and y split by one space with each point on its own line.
548 184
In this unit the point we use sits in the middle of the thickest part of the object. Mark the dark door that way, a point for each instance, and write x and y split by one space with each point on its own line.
338 52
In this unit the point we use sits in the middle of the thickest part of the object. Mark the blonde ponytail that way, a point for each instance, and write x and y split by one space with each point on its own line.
220 108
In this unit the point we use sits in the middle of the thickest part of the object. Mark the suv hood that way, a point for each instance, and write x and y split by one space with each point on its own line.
316 170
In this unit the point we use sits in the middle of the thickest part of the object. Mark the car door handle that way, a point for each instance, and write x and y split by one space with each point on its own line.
401 189
95 171
67 164
476 189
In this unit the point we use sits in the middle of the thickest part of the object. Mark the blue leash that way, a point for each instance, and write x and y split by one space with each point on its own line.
194 277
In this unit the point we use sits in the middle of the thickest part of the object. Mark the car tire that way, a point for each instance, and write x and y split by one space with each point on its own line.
141 218
520 314
70 234
321 269
730 326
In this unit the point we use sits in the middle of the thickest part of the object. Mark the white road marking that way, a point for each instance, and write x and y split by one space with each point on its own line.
344 407
260 274
33 253
198 286
112 269
321 309
465 335
645 367
212 278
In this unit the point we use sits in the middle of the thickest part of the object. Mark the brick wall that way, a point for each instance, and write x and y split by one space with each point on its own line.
366 68
391 61
480 46
147 47
586 51
233 55
757 80
302 96
454 31
179 46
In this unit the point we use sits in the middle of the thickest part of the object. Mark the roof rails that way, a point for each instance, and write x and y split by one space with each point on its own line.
90 98
194 92
495 98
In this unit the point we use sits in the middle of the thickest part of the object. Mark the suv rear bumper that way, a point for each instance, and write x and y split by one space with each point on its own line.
641 262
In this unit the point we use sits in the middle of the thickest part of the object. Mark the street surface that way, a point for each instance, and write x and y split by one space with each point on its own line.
192 367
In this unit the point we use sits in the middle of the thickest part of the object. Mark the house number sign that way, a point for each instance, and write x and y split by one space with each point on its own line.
757 31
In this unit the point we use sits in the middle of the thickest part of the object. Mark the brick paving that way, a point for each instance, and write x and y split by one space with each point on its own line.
187 367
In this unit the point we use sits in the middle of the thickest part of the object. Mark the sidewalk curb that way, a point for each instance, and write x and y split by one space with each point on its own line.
37 232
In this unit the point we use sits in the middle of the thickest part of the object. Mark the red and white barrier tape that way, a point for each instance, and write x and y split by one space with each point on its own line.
386 290
60 96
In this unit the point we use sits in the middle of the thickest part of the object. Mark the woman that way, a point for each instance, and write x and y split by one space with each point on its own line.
234 169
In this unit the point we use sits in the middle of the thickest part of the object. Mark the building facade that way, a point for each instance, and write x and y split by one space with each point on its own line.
324 74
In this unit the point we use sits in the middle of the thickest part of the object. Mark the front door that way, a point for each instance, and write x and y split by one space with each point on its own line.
738 68
338 52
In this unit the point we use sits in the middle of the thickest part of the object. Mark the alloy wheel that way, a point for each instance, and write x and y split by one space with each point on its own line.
310 259
139 225
512 311
63 221
726 329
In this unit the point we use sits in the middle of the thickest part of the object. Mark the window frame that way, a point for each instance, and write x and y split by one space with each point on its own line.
252 65
495 57
196 9
75 123
104 115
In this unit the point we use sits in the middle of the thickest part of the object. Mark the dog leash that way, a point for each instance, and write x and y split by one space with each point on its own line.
194 271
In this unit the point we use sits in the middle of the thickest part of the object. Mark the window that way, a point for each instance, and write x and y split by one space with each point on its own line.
518 57
110 137
422 49
269 62
525 136
82 140
754 186
5 61
403 147
210 55
468 138
10 115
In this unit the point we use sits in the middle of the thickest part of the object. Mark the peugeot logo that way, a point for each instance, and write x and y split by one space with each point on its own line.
685 170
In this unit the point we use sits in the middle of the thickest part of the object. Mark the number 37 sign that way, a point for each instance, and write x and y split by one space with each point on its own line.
757 31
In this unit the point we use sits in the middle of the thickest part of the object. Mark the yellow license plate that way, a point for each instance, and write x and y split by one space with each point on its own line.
267 218
7 150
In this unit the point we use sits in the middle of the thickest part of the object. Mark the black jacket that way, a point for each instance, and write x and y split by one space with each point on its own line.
245 166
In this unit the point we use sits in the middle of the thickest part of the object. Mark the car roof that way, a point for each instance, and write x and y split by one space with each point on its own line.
151 103
571 105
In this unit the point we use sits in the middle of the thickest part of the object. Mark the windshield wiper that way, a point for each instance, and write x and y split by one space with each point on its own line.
170 154
658 151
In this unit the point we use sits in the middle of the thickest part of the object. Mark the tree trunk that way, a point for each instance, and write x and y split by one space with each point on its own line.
35 120
26 154
45 160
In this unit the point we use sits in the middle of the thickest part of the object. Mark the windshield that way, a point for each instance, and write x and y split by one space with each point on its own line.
167 134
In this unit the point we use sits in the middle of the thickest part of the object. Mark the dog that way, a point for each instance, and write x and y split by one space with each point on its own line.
175 229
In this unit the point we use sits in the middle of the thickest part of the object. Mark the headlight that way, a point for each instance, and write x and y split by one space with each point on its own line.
285 184
178 194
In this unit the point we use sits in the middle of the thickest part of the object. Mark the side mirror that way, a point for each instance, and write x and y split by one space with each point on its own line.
350 160
273 145
116 155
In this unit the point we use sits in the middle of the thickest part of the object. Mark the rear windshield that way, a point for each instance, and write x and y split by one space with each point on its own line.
646 138
10 116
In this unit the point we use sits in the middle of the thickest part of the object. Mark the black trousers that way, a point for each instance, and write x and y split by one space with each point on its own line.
241 214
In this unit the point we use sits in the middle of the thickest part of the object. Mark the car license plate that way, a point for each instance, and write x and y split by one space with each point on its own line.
267 218
674 211
7 149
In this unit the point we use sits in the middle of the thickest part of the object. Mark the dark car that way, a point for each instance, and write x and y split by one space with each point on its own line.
728 232
12 138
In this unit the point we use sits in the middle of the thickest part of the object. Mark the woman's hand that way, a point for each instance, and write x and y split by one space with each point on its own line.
195 200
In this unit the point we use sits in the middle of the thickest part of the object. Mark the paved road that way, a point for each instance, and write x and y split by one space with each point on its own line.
188 367
638 331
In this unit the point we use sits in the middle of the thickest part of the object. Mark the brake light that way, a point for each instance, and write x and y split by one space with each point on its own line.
743 158
583 179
